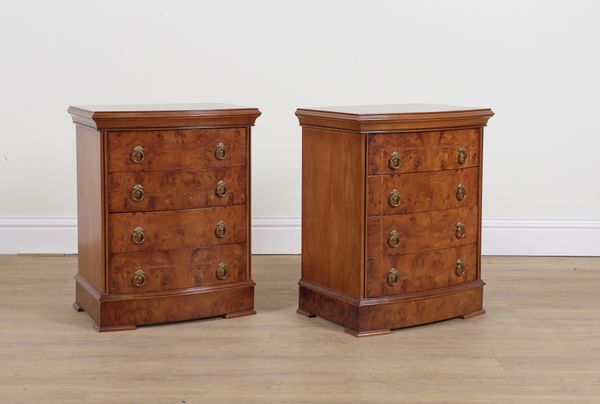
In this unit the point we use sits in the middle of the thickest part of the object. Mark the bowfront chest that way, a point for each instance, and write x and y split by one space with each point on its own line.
163 198
391 214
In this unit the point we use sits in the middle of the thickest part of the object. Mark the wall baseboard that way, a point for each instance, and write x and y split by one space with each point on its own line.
281 235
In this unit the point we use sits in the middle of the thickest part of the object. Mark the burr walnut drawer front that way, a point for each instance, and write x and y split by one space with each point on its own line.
422 192
177 269
423 151
409 273
176 149
176 189
418 232
168 230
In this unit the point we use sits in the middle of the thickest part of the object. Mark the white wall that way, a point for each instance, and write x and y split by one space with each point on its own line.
536 63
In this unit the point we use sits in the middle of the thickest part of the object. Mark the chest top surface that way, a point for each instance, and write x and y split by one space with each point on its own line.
163 115
367 118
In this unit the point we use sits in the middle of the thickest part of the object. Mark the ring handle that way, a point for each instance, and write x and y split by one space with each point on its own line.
394 198
462 156
460 268
393 239
461 192
395 161
137 193
393 277
139 278
222 271
220 152
220 230
221 189
138 236
138 155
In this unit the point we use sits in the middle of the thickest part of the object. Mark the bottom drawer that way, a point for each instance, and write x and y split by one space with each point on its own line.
177 269
393 275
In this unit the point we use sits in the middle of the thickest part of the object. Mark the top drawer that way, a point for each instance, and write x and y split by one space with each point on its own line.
176 149
423 151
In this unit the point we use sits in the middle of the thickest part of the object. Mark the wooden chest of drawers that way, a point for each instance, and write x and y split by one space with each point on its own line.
391 215
163 199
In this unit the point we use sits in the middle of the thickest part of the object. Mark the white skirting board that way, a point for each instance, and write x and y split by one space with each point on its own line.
281 235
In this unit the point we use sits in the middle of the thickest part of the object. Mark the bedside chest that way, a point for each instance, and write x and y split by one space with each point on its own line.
163 199
391 214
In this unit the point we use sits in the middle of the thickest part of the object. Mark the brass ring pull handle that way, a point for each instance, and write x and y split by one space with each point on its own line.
137 155
138 236
462 156
137 193
393 239
220 152
460 230
139 278
393 277
461 192
460 268
222 271
220 230
221 189
395 162
394 198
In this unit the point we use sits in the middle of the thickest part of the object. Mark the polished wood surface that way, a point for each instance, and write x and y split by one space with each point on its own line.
177 269
190 149
390 118
418 175
538 343
423 192
163 115
160 187
332 225
176 189
421 271
90 206
421 231
176 228
423 151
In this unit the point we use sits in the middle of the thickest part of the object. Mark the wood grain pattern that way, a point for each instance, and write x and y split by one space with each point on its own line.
390 118
177 269
125 312
189 149
176 189
169 230
423 151
378 316
422 192
421 271
181 155
163 115
332 209
90 205
421 231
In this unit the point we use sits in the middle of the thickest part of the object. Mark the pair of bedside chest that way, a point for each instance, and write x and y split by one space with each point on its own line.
391 214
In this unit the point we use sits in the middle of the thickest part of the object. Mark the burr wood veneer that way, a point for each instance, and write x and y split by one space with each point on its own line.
391 214
163 213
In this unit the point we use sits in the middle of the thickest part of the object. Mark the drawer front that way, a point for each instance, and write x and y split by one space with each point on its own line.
398 274
177 269
418 232
176 149
180 189
422 192
423 151
168 230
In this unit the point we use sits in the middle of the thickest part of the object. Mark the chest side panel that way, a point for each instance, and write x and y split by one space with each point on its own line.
333 207
90 196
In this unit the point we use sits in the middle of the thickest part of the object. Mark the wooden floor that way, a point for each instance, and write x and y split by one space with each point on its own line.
538 343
